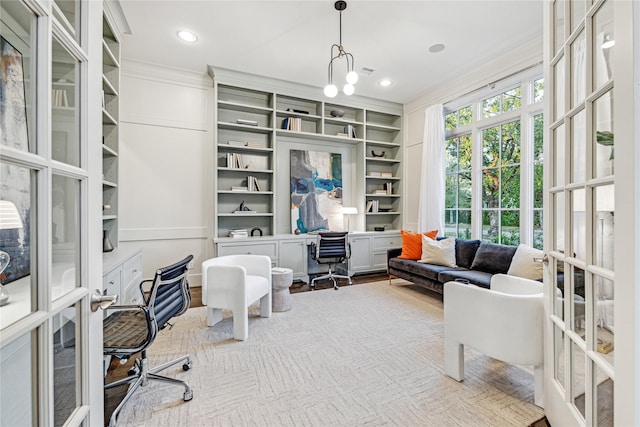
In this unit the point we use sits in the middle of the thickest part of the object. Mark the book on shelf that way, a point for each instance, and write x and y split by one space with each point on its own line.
235 161
59 98
298 111
386 174
253 184
247 122
373 206
237 212
243 188
255 144
350 130
342 134
388 187
292 124
375 173
379 191
369 205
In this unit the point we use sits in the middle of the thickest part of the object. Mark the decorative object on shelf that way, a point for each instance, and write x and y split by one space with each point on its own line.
316 190
379 228
297 111
10 221
348 211
337 113
256 229
107 246
373 153
330 89
243 209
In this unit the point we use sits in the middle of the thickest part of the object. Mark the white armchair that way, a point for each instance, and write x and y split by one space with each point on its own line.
504 322
235 282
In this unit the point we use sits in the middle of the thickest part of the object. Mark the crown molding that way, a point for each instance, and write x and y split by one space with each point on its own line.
164 74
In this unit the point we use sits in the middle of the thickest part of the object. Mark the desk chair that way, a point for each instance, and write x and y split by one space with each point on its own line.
333 248
133 328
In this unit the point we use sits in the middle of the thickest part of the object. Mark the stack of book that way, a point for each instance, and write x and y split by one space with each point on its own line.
255 144
243 188
253 184
373 206
380 191
386 174
238 233
388 186
373 173
292 123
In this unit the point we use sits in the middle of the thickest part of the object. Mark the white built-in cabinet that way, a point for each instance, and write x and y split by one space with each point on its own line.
252 123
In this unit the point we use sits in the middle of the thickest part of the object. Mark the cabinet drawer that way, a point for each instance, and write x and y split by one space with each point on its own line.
132 268
112 282
387 242
380 260
268 249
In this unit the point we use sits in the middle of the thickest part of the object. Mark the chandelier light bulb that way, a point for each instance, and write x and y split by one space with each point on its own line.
348 89
330 90
352 77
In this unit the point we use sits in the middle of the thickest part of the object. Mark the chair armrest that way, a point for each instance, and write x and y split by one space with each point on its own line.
255 265
505 327
515 285
142 291
393 253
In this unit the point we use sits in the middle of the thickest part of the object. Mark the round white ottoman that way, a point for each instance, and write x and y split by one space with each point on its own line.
281 280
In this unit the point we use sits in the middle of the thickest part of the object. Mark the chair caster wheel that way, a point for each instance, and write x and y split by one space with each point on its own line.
186 366
188 395
133 371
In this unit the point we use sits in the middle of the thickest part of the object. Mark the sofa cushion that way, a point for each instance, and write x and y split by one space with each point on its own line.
465 252
439 252
480 278
523 264
493 258
430 271
412 244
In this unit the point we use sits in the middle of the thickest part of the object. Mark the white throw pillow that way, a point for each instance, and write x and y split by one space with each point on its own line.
523 265
439 252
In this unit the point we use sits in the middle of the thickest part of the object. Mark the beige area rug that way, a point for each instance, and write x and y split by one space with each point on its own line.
369 354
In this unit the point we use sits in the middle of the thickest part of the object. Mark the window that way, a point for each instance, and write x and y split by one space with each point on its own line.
458 187
506 130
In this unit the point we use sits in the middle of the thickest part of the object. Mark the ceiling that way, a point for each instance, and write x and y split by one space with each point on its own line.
291 40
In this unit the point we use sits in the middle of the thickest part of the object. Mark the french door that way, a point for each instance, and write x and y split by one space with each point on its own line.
50 219
590 326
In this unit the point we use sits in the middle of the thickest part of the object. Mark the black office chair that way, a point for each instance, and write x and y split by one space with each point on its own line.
132 329
333 248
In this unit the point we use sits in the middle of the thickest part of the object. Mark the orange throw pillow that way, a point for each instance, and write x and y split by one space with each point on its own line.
412 244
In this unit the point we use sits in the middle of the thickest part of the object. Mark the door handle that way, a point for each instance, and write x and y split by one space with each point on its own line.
102 301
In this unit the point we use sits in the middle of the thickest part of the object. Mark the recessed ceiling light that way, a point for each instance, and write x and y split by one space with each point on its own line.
439 47
187 36
385 82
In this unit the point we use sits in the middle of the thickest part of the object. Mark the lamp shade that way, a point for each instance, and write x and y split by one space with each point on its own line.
349 210
9 216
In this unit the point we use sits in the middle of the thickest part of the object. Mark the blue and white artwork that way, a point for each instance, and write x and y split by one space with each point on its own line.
316 191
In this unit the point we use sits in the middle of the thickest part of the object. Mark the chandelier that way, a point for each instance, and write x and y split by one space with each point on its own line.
338 52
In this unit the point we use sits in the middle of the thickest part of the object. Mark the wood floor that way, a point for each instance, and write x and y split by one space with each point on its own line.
117 370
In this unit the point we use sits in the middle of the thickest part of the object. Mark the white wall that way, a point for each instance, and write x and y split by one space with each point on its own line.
165 164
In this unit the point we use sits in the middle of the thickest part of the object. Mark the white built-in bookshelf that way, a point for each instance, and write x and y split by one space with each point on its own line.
252 126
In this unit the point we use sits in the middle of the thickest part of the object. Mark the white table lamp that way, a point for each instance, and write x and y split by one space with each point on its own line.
349 211
9 220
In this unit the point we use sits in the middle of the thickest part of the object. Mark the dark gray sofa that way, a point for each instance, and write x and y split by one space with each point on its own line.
476 262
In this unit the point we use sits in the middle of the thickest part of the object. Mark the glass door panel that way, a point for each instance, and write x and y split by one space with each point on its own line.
65 341
64 112
603 141
65 227
578 227
578 70
17 243
603 45
18 392
18 77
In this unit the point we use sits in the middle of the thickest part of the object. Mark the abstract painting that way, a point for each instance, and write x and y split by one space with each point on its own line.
316 191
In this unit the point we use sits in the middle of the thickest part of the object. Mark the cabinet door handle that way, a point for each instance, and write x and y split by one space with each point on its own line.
134 271
111 282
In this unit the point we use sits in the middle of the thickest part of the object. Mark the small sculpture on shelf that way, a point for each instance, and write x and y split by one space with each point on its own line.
373 153
243 207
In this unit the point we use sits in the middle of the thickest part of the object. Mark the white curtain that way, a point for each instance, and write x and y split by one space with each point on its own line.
432 190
